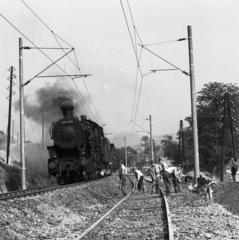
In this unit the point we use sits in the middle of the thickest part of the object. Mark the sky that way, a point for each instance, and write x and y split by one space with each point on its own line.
107 36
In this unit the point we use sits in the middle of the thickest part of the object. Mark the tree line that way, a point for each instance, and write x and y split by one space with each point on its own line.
210 115
210 112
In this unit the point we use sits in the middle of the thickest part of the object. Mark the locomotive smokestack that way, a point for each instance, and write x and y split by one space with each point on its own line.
67 109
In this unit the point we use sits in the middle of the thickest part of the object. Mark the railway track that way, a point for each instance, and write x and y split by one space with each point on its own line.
37 191
137 216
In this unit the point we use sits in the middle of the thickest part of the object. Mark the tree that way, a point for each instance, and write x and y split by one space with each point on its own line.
170 148
210 105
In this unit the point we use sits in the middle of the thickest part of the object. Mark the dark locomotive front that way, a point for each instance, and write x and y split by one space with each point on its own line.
79 150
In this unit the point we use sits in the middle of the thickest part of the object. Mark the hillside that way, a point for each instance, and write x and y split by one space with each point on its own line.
132 139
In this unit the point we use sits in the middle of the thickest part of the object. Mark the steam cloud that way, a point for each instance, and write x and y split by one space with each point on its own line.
48 100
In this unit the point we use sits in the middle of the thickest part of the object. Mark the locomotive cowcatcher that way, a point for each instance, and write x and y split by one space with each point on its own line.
80 150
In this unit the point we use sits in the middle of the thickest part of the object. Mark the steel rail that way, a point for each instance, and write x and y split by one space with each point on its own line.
168 217
92 227
34 191
164 205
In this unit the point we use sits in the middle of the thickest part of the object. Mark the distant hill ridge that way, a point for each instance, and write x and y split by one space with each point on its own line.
132 139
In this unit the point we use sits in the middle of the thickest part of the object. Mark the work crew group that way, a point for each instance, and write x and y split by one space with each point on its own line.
160 170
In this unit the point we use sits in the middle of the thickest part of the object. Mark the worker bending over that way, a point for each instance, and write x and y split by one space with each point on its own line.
140 178
176 175
166 176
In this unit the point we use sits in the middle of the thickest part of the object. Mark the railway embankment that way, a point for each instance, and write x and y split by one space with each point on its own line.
66 213
194 217
61 214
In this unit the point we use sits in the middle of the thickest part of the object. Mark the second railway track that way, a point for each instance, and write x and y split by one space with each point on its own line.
37 191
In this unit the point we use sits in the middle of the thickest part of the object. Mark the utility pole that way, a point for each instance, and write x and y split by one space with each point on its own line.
43 137
184 160
223 137
125 146
12 130
231 126
181 140
179 143
227 106
154 150
151 140
193 106
22 127
9 113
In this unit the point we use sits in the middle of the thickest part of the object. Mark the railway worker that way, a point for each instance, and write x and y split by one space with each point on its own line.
157 168
122 177
234 169
176 175
166 176
140 178
153 177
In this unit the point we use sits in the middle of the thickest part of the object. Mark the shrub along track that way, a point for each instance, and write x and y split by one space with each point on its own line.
138 216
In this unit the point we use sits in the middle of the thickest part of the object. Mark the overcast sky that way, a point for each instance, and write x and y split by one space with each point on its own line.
99 32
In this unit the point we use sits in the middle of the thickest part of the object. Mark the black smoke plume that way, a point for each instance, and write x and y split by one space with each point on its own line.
48 99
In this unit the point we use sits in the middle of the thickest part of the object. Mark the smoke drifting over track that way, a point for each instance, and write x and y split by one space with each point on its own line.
48 99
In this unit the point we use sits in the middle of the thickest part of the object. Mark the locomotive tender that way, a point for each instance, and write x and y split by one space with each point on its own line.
80 150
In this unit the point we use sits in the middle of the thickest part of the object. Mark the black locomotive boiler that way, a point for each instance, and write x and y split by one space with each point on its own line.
80 150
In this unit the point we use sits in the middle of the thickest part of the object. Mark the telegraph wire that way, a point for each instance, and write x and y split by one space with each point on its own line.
134 47
141 83
178 40
78 67
55 36
130 36
135 89
35 14
130 13
48 58
88 90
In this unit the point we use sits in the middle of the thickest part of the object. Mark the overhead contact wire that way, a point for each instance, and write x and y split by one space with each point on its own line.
77 66
138 61
49 59
55 35
130 36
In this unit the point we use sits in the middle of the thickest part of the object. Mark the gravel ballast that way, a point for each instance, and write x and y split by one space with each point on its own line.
66 213
195 217
62 214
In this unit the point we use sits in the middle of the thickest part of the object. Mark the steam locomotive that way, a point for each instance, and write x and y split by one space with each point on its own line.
80 151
